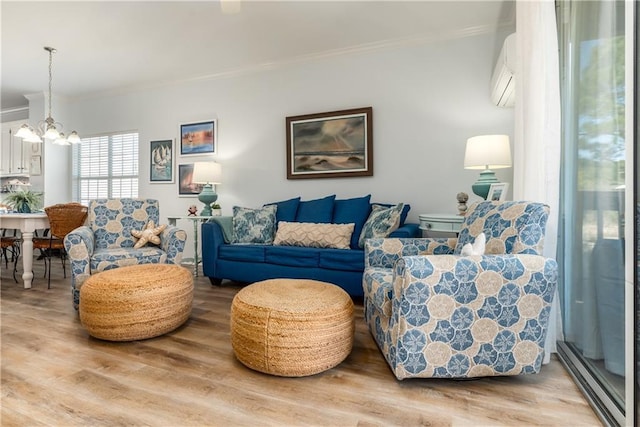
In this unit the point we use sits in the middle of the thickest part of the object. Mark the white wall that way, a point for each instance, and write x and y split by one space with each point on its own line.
427 100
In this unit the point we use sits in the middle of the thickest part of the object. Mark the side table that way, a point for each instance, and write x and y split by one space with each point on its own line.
442 223
196 220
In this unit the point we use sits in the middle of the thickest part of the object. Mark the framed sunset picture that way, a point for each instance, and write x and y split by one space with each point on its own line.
198 138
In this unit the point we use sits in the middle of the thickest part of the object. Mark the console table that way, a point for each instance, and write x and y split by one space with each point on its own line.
195 220
442 223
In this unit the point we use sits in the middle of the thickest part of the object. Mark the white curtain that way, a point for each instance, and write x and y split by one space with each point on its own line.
536 148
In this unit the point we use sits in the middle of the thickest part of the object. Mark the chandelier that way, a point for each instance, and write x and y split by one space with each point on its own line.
49 128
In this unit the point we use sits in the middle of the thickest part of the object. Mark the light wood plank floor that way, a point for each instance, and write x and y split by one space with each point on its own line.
53 373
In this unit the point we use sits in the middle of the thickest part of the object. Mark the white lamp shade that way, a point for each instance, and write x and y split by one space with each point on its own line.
24 132
488 152
207 173
51 133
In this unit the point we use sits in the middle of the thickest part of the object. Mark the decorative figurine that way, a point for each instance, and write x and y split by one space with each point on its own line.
462 203
193 211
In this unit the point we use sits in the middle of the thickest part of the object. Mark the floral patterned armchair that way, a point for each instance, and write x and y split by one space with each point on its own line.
434 313
106 242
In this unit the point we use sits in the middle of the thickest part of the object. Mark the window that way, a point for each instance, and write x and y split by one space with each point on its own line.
105 166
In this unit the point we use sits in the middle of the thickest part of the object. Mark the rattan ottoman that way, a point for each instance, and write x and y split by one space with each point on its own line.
136 302
291 327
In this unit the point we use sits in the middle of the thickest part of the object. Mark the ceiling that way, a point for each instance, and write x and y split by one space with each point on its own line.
115 46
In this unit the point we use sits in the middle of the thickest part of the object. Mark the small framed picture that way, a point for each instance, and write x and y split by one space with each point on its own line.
35 166
185 186
198 138
498 192
161 161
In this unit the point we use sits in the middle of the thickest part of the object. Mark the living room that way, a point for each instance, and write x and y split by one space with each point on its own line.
427 80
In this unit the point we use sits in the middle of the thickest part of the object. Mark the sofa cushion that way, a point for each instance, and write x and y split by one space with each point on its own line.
341 259
287 209
244 253
106 259
354 211
318 210
254 225
293 256
314 235
403 215
381 222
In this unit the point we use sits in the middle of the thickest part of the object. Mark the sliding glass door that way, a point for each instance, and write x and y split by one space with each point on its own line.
593 192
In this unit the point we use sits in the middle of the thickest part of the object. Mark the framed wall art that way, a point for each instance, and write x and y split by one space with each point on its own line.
161 161
330 145
198 138
35 165
498 192
185 186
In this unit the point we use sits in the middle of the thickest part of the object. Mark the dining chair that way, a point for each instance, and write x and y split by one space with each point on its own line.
63 219
10 244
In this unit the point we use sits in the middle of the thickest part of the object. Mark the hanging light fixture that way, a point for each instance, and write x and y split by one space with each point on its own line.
48 129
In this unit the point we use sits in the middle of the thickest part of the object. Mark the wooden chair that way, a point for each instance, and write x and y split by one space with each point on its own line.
10 244
63 219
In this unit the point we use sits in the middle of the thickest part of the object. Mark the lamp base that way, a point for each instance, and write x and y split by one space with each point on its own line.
482 185
207 196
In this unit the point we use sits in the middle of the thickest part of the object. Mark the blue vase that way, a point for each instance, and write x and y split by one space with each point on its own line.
24 208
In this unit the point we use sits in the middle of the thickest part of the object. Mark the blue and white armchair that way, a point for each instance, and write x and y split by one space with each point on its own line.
106 242
435 313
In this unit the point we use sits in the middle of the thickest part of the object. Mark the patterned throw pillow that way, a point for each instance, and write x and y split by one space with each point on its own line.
254 225
381 222
313 235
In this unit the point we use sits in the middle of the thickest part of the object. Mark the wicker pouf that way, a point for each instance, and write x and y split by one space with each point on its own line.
136 302
292 327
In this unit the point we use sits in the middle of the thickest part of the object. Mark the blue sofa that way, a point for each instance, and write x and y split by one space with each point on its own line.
223 259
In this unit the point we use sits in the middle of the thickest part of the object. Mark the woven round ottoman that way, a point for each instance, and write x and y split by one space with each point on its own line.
291 327
136 302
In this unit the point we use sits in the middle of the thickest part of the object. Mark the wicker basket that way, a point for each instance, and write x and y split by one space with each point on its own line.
292 327
136 302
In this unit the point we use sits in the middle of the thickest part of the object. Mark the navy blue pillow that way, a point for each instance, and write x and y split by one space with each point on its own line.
287 209
355 211
318 210
403 215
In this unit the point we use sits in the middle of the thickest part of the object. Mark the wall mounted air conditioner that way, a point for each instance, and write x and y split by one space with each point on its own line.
503 82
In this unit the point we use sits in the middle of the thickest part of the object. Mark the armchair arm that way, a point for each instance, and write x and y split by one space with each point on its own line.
172 241
383 253
491 312
79 245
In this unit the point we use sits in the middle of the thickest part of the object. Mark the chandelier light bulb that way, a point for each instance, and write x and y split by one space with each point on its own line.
74 138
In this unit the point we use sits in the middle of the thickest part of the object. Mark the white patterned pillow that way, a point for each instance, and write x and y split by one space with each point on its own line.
254 225
382 221
309 234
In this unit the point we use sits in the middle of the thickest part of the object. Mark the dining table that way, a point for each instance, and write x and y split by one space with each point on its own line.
27 223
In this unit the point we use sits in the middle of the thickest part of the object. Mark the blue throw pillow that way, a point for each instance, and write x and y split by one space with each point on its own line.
352 211
403 215
287 209
318 210
254 225
382 222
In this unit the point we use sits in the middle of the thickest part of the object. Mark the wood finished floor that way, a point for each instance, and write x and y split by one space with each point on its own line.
54 374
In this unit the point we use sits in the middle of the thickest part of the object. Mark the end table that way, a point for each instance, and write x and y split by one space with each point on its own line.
442 223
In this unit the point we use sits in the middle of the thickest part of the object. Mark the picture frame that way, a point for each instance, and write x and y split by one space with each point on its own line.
498 192
35 166
161 161
198 138
334 144
186 188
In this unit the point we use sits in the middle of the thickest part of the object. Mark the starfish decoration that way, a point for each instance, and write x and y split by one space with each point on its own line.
149 234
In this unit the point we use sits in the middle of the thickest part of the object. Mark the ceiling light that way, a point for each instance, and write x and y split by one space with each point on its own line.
49 128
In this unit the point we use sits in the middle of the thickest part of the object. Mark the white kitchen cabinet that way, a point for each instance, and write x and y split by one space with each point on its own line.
15 154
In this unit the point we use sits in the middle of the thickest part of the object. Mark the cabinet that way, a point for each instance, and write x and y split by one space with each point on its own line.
15 154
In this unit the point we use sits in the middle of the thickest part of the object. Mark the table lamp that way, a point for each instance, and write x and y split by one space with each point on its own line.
207 173
487 152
